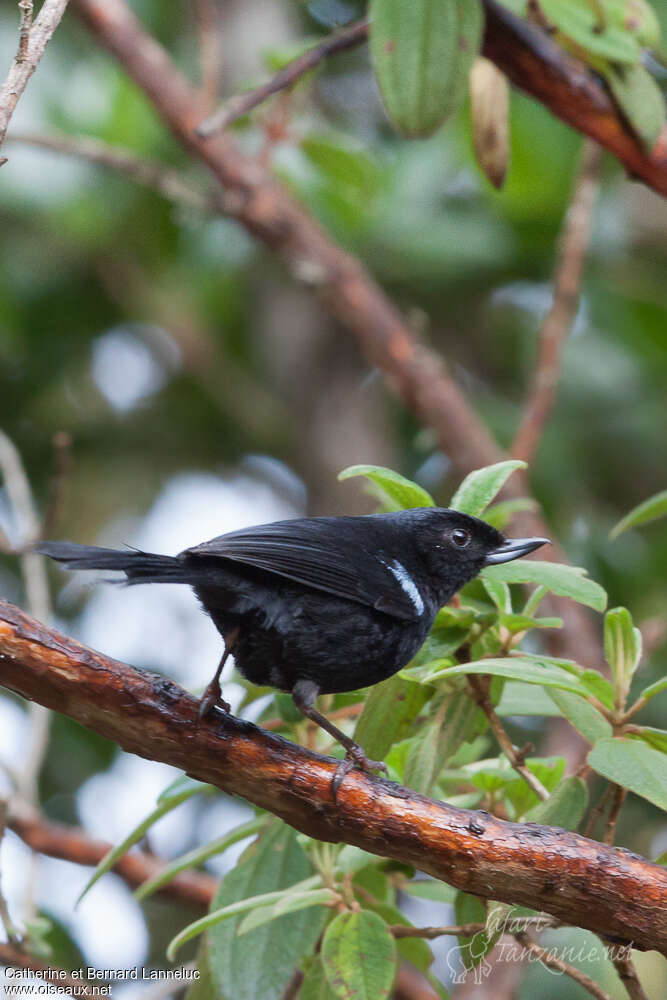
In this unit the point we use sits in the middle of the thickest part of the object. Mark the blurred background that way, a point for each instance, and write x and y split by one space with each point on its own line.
204 389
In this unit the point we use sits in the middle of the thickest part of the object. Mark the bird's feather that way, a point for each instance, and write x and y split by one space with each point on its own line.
323 553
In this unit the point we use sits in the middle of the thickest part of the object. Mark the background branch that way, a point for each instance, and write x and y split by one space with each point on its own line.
32 45
574 879
558 322
72 844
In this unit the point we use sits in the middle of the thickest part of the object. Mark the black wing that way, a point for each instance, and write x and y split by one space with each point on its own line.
324 553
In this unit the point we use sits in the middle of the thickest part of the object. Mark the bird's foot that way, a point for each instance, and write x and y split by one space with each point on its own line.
355 757
212 698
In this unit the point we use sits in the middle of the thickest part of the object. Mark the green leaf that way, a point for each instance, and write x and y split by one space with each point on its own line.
648 510
186 786
549 770
585 718
598 686
635 766
348 168
457 720
565 806
259 965
390 487
623 650
415 950
654 737
566 581
499 593
389 710
526 699
480 487
470 910
422 754
286 708
653 689
235 909
529 669
422 52
352 859
290 903
500 514
579 21
198 856
522 623
436 891
179 791
639 98
359 956
315 985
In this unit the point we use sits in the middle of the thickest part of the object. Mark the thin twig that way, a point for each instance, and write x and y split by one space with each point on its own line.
429 933
30 51
628 974
60 979
240 105
207 20
167 182
620 794
547 957
466 930
574 241
480 693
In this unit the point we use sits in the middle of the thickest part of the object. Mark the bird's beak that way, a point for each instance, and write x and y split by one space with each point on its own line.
514 548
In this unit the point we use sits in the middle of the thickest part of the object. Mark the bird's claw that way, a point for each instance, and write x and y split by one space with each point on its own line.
212 698
355 757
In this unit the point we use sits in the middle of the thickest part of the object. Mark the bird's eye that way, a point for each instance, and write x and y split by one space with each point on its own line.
460 537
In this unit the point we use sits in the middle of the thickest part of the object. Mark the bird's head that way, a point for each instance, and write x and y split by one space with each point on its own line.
456 547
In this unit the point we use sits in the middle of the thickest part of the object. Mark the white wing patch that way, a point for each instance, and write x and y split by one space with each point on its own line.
407 584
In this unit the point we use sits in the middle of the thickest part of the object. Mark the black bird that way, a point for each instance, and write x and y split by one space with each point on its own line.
323 604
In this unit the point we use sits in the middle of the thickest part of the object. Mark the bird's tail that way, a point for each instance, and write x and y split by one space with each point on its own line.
139 567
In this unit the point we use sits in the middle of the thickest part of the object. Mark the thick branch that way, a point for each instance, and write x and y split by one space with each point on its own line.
578 881
136 867
31 48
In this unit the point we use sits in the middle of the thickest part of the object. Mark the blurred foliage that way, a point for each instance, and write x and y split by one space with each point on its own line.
163 340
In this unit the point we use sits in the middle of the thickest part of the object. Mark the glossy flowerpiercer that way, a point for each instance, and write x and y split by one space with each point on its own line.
322 604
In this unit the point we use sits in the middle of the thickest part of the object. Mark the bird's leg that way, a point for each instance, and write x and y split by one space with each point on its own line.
304 694
212 696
